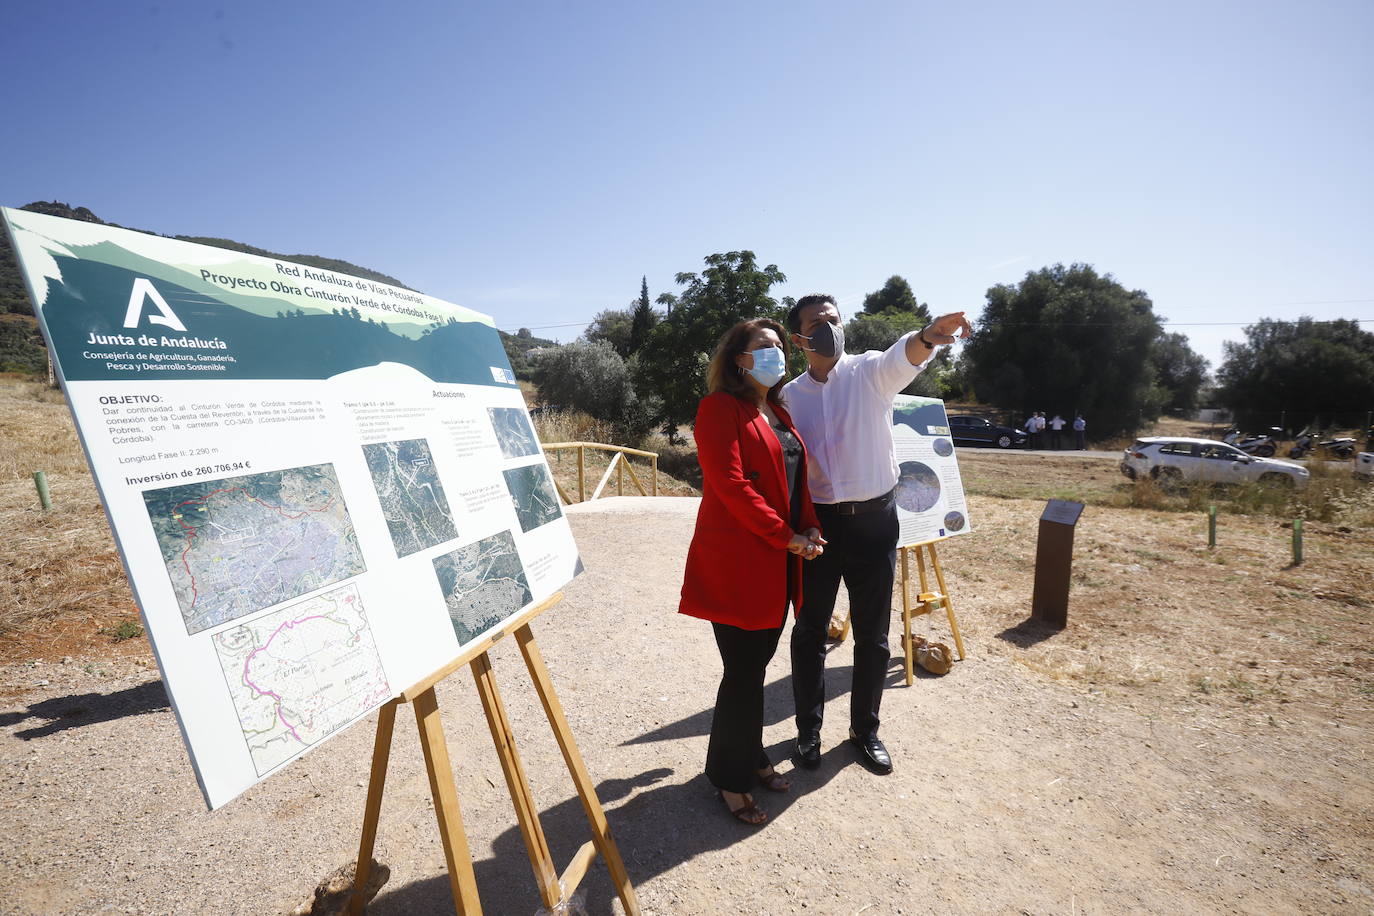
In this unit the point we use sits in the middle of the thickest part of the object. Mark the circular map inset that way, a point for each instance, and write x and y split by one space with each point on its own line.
918 487
944 448
954 521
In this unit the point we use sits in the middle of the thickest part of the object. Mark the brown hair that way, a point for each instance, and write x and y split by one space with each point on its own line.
805 302
725 375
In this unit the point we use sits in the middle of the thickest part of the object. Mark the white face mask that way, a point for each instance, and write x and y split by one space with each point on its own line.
768 366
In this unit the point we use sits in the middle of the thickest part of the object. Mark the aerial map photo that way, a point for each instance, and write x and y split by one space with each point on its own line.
531 489
513 432
239 544
483 584
918 486
412 498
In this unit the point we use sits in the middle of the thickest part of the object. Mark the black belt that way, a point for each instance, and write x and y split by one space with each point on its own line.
859 507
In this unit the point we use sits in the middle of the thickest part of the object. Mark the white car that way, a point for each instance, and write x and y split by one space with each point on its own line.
1174 459
1364 465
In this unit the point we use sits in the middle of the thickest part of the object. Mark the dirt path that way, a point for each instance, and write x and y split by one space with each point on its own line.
1087 772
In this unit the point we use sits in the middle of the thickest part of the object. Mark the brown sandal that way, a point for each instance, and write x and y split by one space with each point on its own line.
774 781
747 813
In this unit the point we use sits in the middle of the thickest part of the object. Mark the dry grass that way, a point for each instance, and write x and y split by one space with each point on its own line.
1332 495
58 566
1154 614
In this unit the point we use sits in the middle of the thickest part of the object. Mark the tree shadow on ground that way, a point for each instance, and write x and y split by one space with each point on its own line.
1029 632
82 709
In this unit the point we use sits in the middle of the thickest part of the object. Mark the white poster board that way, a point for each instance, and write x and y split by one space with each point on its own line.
321 486
930 494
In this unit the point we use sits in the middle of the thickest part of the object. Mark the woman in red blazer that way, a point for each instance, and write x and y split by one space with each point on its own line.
755 526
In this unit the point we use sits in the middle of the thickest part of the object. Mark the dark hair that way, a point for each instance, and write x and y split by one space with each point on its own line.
725 375
805 302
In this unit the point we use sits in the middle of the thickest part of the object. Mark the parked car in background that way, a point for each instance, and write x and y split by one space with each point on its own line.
1364 465
966 430
1170 459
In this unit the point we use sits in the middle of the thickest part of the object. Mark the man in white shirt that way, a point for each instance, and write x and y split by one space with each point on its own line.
842 407
1056 430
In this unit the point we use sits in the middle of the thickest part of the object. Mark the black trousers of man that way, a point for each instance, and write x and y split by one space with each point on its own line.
861 550
735 753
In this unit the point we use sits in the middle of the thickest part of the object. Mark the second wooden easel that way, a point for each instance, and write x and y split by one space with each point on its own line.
555 890
925 600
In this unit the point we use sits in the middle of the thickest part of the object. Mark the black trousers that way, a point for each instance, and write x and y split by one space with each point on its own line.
735 752
861 550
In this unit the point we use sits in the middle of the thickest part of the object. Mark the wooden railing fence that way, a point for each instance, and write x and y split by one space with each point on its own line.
620 464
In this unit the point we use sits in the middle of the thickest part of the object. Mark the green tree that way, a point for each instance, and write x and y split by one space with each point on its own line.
1068 339
1317 372
878 332
1180 372
643 319
613 326
672 363
895 296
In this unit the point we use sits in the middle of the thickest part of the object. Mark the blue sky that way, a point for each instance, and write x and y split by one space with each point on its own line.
533 160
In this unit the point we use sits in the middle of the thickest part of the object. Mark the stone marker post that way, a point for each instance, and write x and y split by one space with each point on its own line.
1054 562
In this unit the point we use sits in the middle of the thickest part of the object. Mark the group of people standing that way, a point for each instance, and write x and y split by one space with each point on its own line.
797 495
1036 423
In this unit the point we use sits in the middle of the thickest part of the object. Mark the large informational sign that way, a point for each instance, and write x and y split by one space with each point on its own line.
930 493
322 487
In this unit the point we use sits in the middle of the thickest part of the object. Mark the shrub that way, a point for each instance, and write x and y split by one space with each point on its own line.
591 377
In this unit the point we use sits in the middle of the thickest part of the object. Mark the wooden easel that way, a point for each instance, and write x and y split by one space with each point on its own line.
925 602
554 889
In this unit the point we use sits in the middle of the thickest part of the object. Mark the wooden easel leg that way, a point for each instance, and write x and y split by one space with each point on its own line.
381 755
526 811
949 605
906 616
461 878
591 805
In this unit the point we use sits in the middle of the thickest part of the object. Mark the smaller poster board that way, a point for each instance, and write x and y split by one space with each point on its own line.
930 493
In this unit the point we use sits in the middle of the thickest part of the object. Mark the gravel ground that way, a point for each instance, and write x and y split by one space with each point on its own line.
1015 791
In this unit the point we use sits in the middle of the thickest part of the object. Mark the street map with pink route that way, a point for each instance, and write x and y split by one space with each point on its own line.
298 674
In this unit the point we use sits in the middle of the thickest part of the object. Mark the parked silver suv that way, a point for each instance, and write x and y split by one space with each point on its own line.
1172 459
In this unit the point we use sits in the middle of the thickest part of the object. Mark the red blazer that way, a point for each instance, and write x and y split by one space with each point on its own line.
738 565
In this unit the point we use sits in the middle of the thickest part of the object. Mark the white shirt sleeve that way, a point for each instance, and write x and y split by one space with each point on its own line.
890 370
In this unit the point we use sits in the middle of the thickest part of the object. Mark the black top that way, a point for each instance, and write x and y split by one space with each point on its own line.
791 460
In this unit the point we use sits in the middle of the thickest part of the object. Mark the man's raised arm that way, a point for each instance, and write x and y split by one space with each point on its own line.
940 331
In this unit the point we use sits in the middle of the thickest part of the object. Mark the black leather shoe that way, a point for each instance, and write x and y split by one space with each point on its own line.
873 753
809 751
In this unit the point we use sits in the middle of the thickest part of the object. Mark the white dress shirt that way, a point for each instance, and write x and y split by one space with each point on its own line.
846 423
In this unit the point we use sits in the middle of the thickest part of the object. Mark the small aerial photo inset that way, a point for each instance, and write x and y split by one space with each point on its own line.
483 584
532 492
236 545
513 432
918 487
954 521
413 502
943 447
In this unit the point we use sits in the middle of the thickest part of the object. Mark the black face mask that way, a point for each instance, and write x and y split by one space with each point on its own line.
826 340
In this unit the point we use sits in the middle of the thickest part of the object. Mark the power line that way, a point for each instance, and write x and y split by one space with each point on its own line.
1061 324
